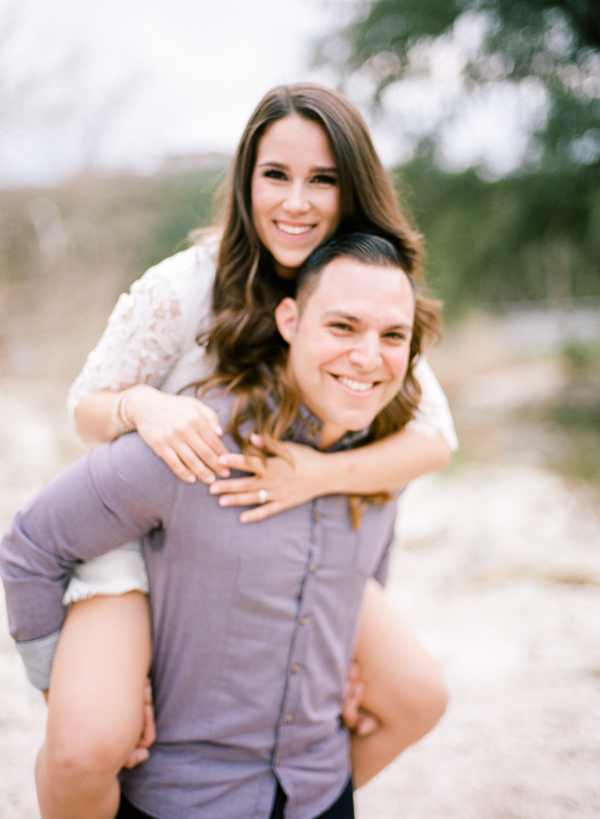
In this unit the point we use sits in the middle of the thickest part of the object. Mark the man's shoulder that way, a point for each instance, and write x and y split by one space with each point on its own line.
129 457
221 401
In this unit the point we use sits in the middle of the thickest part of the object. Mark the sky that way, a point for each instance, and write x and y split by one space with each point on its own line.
120 84
123 82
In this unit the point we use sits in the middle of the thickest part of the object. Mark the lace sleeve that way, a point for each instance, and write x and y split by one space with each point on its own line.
140 344
433 414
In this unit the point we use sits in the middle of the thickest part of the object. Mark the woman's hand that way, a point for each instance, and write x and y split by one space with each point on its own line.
286 484
181 430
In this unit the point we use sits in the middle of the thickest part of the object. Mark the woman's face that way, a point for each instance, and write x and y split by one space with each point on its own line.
295 191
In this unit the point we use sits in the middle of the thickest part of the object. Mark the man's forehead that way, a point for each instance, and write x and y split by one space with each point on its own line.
349 286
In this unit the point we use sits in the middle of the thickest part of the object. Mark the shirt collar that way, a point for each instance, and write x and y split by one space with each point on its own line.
306 429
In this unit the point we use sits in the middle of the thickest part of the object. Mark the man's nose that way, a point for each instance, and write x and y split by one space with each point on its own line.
366 351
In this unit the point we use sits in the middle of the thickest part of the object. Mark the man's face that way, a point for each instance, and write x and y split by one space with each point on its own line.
349 343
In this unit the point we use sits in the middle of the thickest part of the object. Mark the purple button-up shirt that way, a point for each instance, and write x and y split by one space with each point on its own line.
254 625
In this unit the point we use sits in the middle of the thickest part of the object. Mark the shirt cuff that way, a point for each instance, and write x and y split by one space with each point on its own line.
37 656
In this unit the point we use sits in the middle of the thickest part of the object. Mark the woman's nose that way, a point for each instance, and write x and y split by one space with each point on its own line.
296 200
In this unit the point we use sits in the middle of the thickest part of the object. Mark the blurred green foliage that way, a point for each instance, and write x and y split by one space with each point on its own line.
534 236
576 412
549 45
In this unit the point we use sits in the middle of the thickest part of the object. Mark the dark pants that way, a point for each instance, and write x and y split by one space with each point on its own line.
342 809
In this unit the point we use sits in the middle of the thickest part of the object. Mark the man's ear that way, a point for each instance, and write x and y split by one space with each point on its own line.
286 318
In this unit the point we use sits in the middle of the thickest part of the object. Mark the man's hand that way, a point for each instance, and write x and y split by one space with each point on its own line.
141 753
354 718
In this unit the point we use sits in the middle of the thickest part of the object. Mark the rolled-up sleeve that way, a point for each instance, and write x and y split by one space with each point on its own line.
114 494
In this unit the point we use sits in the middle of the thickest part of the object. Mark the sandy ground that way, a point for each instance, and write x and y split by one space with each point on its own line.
497 570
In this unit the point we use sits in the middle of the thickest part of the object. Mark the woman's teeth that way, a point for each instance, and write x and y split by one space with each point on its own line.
294 230
358 386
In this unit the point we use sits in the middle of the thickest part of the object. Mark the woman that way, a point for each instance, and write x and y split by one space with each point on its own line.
305 169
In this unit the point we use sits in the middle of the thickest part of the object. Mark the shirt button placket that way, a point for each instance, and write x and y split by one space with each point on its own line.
304 620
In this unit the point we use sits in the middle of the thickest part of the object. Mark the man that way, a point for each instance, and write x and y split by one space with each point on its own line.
253 626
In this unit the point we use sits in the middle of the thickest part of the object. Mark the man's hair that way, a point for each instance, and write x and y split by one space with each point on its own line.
363 247
265 397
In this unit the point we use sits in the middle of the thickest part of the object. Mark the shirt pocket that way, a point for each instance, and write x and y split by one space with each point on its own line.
342 545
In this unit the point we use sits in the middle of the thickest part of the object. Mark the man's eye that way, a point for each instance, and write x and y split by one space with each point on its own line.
340 325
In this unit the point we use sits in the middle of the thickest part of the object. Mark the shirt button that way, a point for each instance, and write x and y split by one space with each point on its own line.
278 761
303 621
318 516
313 568
288 719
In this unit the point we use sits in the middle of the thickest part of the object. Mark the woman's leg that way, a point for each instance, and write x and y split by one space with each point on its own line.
403 687
95 706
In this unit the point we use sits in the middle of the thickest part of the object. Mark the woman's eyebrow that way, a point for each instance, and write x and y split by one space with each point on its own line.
272 163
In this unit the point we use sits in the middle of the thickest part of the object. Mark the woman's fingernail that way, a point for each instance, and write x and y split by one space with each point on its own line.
218 430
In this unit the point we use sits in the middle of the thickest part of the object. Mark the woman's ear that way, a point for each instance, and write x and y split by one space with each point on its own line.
286 318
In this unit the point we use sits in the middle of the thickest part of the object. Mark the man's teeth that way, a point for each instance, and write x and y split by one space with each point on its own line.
294 230
358 386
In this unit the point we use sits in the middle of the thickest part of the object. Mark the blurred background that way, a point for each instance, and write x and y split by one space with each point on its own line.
117 121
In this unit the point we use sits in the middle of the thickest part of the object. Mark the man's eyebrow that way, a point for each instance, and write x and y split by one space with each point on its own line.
403 325
340 314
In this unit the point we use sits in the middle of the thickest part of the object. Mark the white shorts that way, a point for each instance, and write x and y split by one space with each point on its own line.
117 572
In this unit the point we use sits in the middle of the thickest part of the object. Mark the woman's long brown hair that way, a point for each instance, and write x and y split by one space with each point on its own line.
247 288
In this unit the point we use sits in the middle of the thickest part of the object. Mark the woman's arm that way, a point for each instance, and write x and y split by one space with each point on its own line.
181 430
424 445
150 339
379 467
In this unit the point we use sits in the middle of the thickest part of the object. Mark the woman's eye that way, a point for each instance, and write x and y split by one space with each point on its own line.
325 179
396 336
273 173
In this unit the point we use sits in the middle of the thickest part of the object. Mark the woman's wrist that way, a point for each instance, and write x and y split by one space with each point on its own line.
326 480
124 415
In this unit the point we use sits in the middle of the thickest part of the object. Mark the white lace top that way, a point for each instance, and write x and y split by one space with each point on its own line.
151 339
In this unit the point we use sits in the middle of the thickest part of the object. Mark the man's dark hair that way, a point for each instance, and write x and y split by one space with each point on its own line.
364 247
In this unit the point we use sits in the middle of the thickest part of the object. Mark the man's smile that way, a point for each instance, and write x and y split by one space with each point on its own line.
354 385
